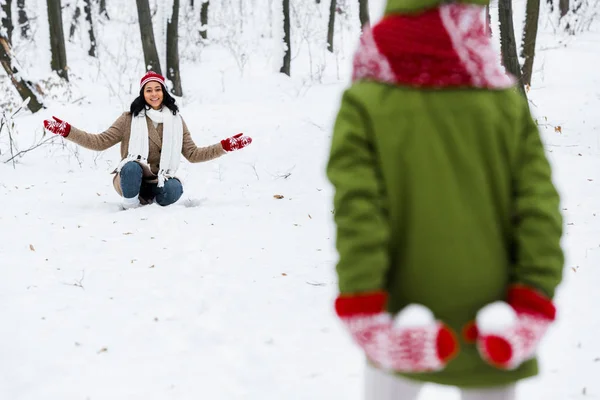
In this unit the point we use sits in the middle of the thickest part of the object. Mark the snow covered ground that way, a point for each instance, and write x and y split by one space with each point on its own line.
228 293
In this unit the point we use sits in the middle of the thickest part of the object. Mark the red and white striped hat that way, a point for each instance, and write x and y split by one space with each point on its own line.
152 76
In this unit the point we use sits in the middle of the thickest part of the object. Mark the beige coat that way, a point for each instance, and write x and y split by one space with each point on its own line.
120 132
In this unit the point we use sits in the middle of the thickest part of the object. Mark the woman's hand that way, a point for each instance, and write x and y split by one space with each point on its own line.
236 142
58 127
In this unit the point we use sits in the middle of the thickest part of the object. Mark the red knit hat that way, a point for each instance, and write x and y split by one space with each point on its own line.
152 76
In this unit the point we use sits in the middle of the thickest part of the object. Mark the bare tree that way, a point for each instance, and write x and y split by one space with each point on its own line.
564 6
507 41
6 21
23 19
529 38
173 50
363 13
488 21
331 25
57 39
102 7
204 19
87 8
74 21
287 57
148 44
25 88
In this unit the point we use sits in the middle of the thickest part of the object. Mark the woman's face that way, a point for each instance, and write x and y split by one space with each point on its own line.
153 95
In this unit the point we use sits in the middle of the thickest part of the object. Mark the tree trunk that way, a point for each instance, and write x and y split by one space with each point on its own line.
204 19
57 39
564 6
24 87
331 25
529 38
87 8
287 57
363 13
6 21
74 22
103 12
173 51
488 21
23 19
148 44
507 42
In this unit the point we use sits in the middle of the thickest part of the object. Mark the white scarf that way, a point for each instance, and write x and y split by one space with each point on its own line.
172 142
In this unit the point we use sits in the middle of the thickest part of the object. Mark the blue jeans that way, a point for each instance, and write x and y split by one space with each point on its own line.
132 185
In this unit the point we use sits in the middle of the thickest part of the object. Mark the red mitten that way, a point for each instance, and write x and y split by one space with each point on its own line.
413 342
508 334
236 142
58 127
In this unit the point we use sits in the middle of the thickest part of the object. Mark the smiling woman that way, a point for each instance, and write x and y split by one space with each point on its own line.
153 137
153 95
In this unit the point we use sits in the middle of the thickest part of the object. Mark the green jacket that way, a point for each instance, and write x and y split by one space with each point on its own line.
414 6
444 198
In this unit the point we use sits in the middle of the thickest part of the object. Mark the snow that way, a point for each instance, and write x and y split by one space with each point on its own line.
414 315
496 317
228 294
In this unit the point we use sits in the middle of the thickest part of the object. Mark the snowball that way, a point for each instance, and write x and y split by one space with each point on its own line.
414 315
496 318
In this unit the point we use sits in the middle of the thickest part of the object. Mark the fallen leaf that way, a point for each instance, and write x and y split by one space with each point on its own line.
278 196
590 180
558 129
31 247
152 266
309 216
283 274
98 194
102 350
574 269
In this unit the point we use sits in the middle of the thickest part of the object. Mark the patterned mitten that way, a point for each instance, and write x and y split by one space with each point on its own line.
508 333
236 142
413 342
58 127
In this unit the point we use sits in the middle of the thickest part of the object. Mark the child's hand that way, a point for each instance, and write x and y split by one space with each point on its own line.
415 342
508 333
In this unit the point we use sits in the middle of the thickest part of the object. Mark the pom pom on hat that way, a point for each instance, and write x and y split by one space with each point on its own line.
152 76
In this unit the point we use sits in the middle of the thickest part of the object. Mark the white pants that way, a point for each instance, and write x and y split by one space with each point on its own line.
380 385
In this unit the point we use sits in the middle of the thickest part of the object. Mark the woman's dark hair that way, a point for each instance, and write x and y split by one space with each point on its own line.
140 103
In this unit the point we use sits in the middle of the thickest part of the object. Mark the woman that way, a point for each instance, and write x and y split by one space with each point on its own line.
445 209
153 136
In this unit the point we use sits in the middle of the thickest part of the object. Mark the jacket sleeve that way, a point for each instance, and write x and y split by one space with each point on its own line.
104 140
195 154
360 215
537 225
